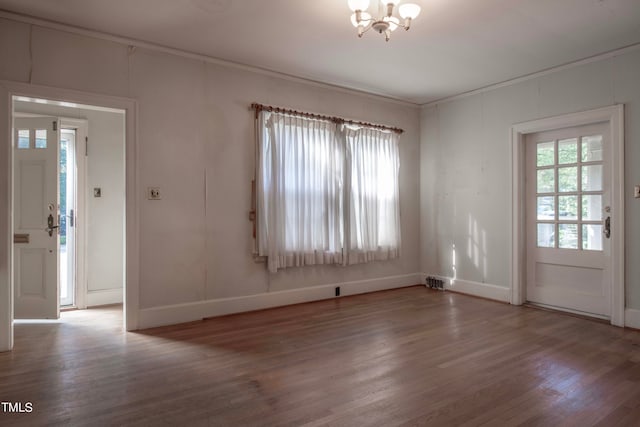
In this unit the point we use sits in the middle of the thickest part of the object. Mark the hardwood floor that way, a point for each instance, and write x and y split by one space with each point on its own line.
410 356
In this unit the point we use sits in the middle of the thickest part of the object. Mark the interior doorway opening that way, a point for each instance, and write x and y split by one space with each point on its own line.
613 117
87 208
12 92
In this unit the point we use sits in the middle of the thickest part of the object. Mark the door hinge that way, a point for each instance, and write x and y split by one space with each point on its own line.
55 125
86 146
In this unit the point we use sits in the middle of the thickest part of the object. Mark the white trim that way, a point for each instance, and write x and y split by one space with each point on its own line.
341 87
134 43
484 290
6 219
595 58
188 312
104 297
62 104
8 89
614 116
477 289
632 318
567 310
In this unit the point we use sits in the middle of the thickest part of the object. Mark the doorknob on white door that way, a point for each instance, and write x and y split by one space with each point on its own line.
50 226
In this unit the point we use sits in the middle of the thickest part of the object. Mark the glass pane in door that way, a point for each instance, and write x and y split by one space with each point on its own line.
546 208
567 207
592 178
546 236
568 236
546 181
41 138
23 138
592 237
592 207
567 179
545 154
568 151
569 197
67 207
592 148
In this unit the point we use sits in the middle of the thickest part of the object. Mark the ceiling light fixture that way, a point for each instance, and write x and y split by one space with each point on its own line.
387 23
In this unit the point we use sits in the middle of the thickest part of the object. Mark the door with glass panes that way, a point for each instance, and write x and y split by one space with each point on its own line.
568 223
35 218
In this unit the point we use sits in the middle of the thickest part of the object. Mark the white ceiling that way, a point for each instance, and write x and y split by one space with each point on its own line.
454 46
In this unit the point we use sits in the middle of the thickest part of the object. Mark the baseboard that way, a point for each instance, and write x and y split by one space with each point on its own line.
181 313
632 318
483 290
104 297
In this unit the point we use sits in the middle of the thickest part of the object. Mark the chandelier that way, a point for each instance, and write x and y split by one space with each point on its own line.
386 23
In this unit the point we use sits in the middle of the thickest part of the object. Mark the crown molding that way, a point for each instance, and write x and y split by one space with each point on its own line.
59 26
595 58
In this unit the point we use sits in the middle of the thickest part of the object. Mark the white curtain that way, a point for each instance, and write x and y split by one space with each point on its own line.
325 194
300 164
372 195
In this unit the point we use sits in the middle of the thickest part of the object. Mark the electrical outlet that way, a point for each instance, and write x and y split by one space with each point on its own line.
153 193
636 191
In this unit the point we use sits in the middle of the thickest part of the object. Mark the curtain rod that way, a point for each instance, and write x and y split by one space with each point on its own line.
339 120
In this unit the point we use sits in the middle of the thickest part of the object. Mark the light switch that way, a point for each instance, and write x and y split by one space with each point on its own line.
97 192
636 191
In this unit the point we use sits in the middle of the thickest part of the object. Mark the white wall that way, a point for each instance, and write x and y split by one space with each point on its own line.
105 227
465 166
196 142
104 215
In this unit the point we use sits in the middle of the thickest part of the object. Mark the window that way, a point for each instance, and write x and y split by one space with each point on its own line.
326 193
23 138
569 193
41 138
373 206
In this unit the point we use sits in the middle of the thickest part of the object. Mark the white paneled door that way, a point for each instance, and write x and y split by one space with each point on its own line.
35 221
568 219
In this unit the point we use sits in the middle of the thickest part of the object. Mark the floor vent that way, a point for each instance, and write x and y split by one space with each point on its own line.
435 283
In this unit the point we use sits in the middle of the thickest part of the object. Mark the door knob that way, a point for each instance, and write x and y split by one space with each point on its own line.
50 226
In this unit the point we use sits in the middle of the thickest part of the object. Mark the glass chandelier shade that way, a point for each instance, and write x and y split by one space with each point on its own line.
385 23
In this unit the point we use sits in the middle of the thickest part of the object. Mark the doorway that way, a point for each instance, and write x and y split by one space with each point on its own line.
568 213
9 90
87 232
568 204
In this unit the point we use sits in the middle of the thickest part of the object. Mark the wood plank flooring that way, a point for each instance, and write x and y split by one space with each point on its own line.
404 357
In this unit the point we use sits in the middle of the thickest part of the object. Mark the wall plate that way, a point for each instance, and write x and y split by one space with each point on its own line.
153 193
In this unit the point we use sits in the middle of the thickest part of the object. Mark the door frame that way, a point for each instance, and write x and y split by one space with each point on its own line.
614 117
9 89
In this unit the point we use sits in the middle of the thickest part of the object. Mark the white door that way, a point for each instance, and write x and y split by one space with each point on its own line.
35 220
567 199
